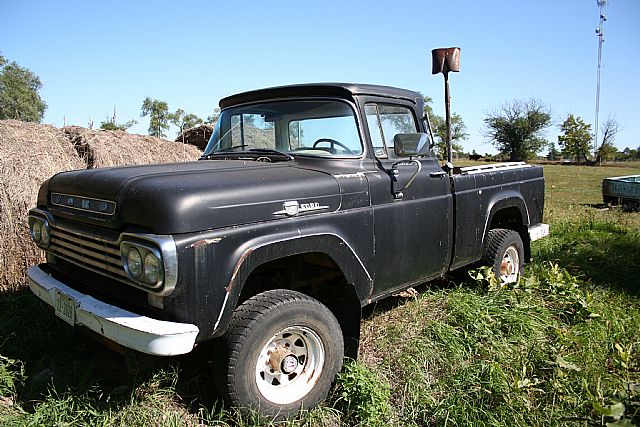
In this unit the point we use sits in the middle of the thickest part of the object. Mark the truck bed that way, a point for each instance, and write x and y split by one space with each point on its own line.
480 191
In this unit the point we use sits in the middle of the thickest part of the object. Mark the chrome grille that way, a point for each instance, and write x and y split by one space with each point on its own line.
98 255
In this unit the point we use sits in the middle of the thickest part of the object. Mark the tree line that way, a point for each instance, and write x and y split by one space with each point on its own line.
515 128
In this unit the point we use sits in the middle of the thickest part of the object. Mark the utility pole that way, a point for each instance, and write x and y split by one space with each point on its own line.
600 34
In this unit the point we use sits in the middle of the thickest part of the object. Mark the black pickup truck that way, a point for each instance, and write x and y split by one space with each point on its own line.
309 202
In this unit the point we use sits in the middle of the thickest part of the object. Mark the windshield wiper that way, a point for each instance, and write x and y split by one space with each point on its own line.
254 154
268 151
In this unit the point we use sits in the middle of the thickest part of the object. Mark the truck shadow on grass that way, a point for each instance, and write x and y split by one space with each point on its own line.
622 207
62 365
66 370
57 361
396 300
603 253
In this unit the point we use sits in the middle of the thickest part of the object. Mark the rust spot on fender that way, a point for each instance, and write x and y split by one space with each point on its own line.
204 242
235 270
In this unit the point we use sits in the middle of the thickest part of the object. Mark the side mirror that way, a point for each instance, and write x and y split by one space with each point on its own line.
411 144
396 187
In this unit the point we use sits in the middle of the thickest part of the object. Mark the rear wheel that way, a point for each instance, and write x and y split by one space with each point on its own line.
504 252
283 350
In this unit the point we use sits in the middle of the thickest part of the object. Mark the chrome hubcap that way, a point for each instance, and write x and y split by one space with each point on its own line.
289 364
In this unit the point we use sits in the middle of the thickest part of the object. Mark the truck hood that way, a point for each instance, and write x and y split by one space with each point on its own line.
189 197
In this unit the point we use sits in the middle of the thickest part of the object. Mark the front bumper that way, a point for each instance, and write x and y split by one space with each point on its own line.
131 330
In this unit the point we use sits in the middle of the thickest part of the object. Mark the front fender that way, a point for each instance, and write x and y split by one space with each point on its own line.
263 249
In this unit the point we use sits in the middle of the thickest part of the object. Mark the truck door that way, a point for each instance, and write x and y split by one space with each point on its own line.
413 231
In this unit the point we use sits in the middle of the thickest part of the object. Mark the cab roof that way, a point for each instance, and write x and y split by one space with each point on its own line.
343 90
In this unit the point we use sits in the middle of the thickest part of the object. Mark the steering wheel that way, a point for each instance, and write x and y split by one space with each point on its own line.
333 143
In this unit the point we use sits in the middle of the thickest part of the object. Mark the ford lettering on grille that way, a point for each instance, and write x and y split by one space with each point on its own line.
103 207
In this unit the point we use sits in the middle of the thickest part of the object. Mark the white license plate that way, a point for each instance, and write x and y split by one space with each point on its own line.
65 308
538 232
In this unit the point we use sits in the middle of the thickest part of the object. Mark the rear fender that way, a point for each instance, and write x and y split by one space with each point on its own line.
508 200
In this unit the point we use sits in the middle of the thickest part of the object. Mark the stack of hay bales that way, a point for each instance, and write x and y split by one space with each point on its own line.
105 148
30 153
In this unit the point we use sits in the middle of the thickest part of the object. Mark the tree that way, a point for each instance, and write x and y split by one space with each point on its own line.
575 139
159 116
627 154
111 124
554 154
516 127
606 152
19 98
439 127
606 149
213 118
184 121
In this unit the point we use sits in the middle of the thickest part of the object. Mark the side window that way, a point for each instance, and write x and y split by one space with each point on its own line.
375 131
384 122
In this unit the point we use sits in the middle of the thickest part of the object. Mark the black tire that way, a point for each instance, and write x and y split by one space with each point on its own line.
504 252
282 329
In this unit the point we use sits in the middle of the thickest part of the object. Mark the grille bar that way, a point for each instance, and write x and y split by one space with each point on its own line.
86 243
98 255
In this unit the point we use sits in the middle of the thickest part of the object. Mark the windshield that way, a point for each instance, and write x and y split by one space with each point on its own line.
325 128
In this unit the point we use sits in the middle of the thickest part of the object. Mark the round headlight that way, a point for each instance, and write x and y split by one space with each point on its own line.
134 262
151 268
45 236
36 231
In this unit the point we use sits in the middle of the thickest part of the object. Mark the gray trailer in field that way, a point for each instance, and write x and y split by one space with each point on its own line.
624 190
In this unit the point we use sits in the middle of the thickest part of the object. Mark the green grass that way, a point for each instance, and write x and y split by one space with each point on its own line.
574 193
561 348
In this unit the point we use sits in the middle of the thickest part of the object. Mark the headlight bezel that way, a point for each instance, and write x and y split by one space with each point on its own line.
144 249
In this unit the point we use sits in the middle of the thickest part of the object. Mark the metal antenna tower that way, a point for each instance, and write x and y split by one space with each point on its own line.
600 34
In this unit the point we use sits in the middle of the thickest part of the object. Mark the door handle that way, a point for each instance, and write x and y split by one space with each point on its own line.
437 174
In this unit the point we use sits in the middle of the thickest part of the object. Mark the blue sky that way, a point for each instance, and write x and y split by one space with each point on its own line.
94 55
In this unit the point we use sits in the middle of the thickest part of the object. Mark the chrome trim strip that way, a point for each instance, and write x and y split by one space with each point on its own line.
224 304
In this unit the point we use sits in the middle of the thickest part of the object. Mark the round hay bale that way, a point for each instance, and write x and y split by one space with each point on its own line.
30 153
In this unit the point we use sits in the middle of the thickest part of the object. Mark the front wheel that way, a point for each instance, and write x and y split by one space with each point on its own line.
504 252
283 351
